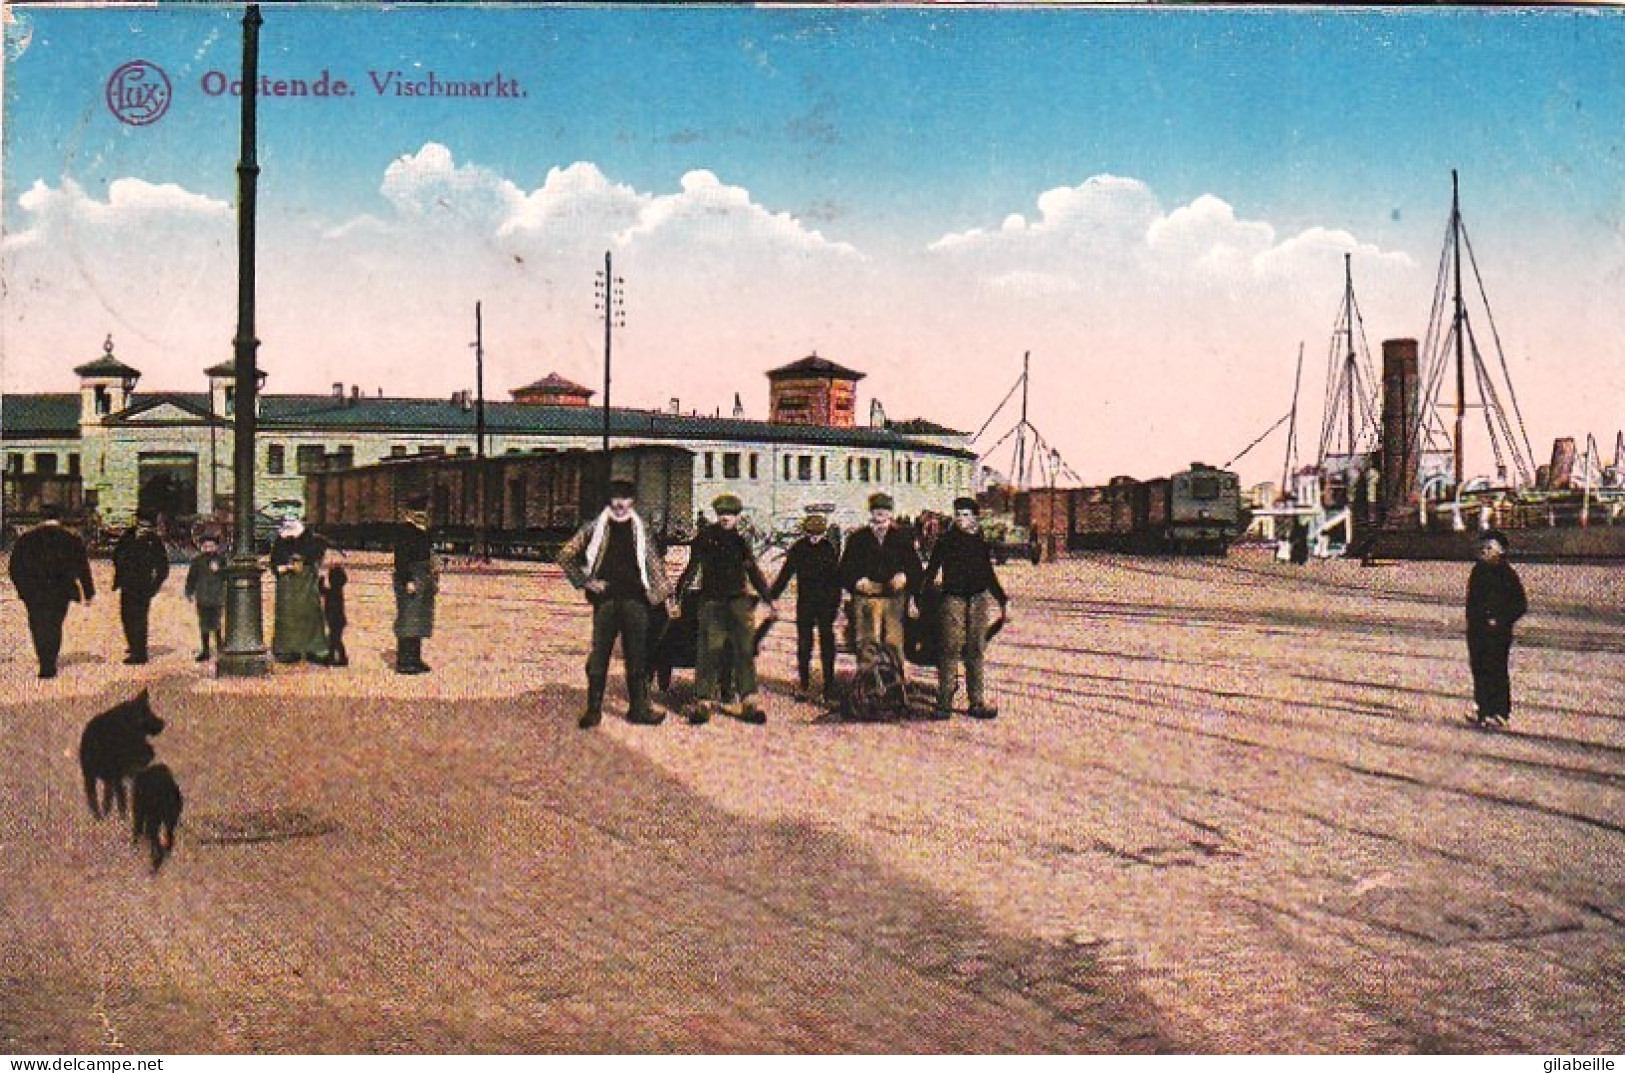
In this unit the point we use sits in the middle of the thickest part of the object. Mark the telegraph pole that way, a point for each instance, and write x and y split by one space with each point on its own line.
244 652
610 290
482 548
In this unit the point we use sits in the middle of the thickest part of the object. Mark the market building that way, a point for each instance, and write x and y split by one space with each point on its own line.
113 450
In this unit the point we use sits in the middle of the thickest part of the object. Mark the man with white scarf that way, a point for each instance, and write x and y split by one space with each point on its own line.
614 559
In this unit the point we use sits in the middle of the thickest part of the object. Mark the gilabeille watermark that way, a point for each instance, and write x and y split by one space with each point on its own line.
388 84
139 93
1578 1065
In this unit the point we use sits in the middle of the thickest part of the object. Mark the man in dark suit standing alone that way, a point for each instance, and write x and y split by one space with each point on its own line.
50 569
140 565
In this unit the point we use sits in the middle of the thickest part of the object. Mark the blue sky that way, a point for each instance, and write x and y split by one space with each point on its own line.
864 165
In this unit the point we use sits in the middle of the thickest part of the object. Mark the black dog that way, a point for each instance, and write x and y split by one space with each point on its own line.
157 809
113 748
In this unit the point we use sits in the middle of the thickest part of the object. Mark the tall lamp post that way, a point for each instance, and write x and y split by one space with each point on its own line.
244 652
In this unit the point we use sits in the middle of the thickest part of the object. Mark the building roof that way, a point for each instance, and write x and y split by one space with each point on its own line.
107 365
228 369
815 366
43 415
39 416
191 402
554 384
919 426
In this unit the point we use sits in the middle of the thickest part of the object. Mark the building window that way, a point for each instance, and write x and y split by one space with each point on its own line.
14 463
397 450
231 400
433 450
787 467
104 401
344 457
73 465
710 465
754 459
730 466
804 468
465 452
823 468
45 465
308 458
849 468
274 458
863 470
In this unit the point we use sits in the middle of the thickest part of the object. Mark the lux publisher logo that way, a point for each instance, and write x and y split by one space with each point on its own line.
138 93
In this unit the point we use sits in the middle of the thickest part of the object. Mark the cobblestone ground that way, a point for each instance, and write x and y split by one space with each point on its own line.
1228 805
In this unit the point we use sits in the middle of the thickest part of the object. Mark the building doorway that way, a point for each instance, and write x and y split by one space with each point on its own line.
168 485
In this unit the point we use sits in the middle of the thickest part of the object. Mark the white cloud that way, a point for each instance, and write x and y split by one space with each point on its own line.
429 186
709 210
578 198
131 203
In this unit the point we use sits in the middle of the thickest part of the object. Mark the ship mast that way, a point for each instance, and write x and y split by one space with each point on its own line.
1460 326
1350 372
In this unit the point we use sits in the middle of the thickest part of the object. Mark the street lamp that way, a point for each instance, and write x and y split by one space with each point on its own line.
243 654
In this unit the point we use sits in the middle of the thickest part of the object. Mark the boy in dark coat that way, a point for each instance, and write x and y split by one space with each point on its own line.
879 567
50 570
140 565
815 565
333 579
1495 601
206 586
970 588
726 564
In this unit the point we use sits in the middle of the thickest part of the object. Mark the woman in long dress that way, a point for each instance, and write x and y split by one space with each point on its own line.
299 631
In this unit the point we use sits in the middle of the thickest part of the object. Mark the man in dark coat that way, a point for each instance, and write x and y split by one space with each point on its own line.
615 561
726 565
416 582
970 588
50 570
1495 601
140 565
815 565
879 567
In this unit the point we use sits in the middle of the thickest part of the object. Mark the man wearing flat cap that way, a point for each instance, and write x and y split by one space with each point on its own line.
879 567
726 564
1495 600
615 560
970 589
815 567
416 583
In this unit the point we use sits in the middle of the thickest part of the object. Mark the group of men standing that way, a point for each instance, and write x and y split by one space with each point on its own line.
612 559
50 568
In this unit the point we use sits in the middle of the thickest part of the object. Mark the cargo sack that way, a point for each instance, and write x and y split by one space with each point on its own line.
879 689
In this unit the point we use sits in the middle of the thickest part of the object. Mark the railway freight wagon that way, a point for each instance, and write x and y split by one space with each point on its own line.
529 503
1194 511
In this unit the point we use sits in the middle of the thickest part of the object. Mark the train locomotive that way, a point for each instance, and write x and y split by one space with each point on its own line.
1195 511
